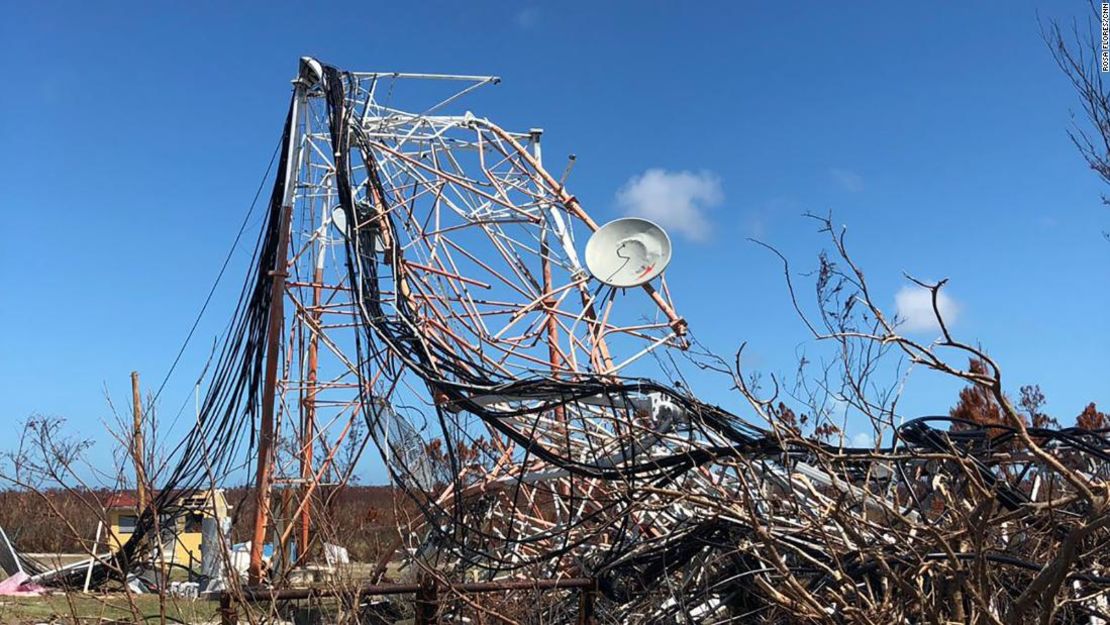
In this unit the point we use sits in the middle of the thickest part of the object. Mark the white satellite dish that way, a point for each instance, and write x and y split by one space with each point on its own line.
628 252
339 220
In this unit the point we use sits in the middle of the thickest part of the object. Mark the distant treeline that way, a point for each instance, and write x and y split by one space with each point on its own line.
360 518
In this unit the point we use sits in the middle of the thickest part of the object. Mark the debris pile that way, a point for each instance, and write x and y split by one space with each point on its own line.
514 396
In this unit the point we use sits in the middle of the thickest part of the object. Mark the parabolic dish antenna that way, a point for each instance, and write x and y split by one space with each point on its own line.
628 252
339 220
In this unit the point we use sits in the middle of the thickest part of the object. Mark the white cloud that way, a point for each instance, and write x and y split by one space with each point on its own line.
914 305
677 201
848 180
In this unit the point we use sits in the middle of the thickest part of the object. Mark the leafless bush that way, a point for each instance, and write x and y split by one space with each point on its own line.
969 523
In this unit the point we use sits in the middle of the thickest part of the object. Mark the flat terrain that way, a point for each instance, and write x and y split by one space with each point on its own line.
102 609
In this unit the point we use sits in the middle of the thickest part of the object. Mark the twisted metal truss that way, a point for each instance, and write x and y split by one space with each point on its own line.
479 336
474 256
510 394
437 295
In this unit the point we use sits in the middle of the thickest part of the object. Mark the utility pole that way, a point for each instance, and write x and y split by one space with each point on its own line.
266 426
137 441
275 331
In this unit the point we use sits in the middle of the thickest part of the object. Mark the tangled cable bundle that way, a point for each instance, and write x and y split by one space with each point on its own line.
510 395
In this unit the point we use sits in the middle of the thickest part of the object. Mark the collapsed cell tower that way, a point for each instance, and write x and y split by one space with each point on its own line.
430 258
419 272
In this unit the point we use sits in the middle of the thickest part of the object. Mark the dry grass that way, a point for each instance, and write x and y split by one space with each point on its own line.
102 608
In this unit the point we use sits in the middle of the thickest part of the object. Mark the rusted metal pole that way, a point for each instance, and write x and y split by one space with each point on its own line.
287 516
308 426
263 477
426 605
229 614
137 441
586 605
549 302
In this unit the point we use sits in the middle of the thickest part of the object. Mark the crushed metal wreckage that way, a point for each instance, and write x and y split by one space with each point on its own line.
428 253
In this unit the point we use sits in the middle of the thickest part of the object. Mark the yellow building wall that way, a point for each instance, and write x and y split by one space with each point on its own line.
187 544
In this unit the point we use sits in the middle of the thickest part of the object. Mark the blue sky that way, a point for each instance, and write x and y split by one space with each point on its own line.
135 134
